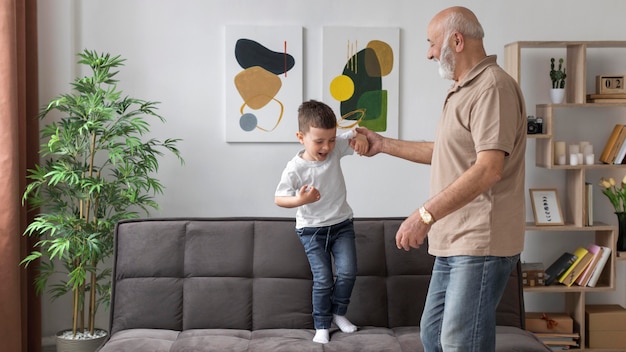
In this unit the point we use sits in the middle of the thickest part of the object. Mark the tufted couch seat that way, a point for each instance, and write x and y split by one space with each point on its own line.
244 284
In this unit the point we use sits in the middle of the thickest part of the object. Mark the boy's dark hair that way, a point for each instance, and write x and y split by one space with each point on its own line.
315 114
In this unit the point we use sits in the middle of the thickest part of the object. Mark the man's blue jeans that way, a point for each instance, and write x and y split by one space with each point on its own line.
330 296
460 310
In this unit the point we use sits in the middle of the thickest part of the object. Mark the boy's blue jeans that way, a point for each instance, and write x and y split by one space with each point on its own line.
460 310
321 245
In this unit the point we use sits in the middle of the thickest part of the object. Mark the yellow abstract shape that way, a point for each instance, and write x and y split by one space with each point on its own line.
342 88
353 123
257 86
384 53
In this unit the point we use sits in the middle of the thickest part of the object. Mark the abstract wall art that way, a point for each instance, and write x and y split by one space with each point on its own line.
263 83
361 76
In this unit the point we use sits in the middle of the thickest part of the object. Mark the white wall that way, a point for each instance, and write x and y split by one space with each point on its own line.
175 55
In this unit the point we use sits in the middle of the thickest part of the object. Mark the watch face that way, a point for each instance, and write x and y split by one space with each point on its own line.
426 217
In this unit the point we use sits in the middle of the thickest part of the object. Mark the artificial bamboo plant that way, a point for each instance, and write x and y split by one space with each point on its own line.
97 167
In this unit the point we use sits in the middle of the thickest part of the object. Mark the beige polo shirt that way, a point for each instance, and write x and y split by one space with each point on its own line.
485 111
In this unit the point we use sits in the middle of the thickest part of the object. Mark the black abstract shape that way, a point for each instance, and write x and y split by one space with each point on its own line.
366 60
250 53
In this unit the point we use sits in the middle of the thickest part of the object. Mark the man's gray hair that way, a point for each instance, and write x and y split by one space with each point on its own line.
457 22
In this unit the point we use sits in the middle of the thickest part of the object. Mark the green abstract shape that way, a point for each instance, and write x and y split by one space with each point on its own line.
363 82
375 105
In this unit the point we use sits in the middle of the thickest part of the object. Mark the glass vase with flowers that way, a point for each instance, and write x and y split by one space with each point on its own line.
617 196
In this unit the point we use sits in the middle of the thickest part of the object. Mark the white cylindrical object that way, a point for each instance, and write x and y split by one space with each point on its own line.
573 159
583 144
559 151
589 159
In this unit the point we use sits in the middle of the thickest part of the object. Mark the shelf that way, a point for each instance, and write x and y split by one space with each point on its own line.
539 136
582 105
578 167
573 196
598 226
559 288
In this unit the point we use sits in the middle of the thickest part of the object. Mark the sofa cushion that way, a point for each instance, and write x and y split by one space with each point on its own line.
366 339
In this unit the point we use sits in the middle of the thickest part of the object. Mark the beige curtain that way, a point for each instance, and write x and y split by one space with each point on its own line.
20 309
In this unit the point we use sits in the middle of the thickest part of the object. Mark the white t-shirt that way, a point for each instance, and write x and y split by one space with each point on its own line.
327 177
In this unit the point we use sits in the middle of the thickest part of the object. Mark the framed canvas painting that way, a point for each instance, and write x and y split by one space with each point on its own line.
546 206
263 83
361 77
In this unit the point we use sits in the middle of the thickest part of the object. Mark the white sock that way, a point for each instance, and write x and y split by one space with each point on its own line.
321 336
343 323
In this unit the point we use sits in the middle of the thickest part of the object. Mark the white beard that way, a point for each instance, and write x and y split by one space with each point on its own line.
447 62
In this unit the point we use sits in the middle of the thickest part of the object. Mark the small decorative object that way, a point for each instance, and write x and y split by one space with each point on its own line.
557 94
546 206
617 196
613 84
559 152
534 125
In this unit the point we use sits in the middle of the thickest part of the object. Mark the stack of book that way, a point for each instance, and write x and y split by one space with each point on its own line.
606 98
558 341
614 151
583 267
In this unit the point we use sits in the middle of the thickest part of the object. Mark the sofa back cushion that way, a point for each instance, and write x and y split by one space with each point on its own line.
245 273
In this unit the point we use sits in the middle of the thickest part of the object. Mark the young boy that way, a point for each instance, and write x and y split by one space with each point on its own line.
313 182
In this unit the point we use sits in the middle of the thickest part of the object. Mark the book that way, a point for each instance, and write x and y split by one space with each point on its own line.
559 267
577 269
607 101
597 271
588 206
610 144
618 145
552 335
596 251
606 96
556 340
580 252
619 157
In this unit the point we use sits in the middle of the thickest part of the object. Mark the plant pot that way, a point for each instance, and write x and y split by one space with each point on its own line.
557 95
621 237
82 343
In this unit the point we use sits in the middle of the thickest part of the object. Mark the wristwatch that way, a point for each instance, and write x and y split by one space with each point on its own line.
427 217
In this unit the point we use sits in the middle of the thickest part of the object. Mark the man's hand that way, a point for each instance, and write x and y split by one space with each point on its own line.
374 139
411 233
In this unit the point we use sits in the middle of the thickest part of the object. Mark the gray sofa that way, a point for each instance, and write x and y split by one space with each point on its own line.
244 284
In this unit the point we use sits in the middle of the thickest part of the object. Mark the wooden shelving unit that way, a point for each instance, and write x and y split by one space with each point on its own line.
573 209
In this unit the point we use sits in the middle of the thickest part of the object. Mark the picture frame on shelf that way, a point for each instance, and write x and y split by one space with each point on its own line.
546 206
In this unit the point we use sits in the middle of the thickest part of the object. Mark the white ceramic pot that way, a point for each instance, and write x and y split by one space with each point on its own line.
82 344
557 95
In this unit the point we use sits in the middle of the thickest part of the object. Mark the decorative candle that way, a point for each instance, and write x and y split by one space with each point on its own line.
559 152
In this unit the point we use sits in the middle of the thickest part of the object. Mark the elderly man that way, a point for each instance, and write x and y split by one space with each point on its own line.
475 216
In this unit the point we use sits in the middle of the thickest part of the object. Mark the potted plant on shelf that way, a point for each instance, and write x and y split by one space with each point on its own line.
557 94
97 167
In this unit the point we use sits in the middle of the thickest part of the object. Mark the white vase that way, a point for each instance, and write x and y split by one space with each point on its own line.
557 95
82 343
